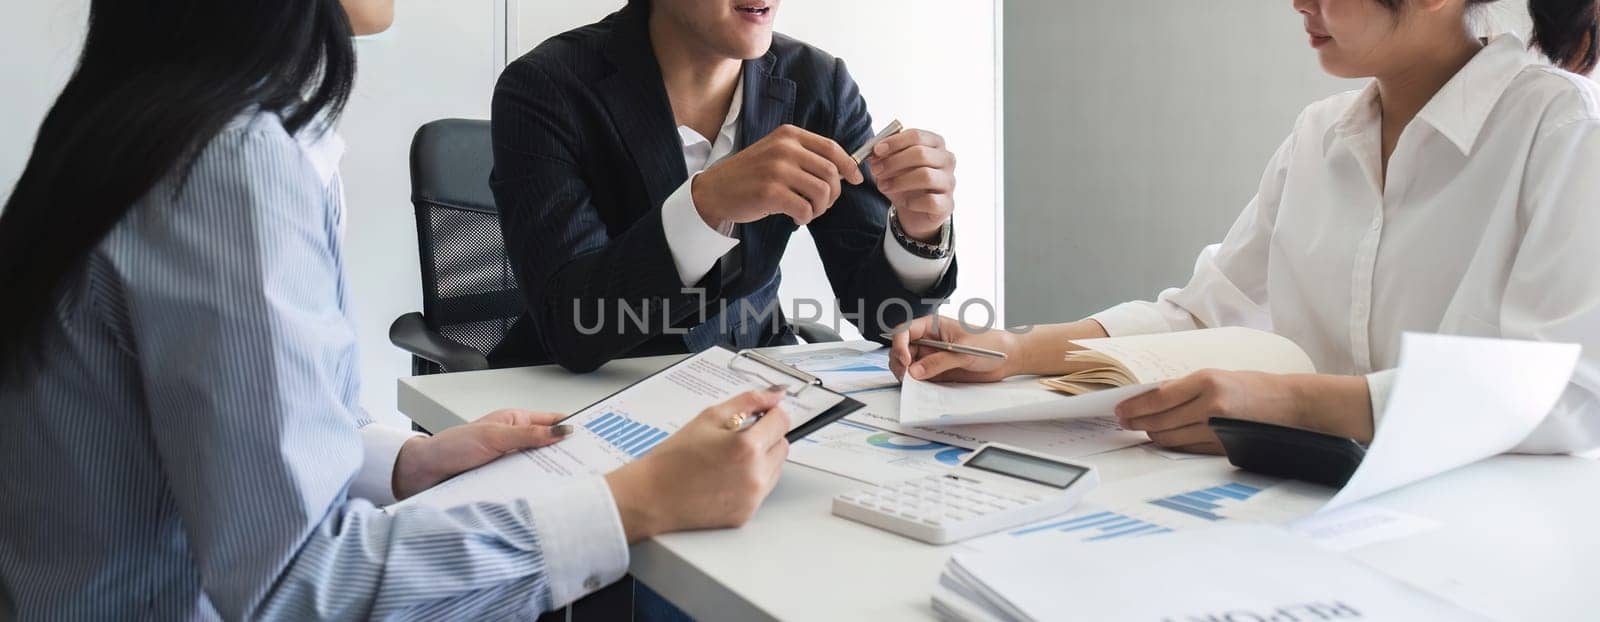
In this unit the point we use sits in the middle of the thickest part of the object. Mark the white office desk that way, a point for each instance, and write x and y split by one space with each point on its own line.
1519 540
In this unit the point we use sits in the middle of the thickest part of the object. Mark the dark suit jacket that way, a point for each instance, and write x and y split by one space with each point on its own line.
586 149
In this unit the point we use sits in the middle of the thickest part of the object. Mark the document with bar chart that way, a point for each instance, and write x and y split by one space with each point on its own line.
1209 494
625 426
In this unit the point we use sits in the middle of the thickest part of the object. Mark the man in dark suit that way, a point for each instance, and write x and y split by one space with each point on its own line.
650 168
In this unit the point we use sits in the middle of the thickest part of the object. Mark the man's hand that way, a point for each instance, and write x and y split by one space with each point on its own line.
706 475
428 460
918 174
790 171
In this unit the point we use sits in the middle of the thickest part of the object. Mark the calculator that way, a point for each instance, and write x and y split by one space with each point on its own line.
996 488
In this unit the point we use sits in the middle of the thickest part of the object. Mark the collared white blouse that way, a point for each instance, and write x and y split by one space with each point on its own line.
1488 225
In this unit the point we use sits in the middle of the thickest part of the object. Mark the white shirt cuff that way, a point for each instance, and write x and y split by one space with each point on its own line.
581 537
918 274
1132 318
1379 385
695 246
380 447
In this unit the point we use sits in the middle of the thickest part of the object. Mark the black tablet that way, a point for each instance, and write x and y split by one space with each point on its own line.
1282 451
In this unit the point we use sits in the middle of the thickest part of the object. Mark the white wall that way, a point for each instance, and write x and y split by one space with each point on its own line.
41 39
936 69
1135 132
438 61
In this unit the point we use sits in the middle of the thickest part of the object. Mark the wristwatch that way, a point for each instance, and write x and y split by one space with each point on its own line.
918 247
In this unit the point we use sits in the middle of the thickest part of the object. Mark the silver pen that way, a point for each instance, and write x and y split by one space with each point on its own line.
861 154
954 347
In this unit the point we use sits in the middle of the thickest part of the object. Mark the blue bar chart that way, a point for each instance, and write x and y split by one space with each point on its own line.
1207 502
1103 525
626 435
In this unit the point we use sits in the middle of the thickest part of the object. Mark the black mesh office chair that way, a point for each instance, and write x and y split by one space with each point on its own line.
469 294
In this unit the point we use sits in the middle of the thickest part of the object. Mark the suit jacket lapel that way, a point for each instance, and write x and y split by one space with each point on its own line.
768 103
768 100
637 100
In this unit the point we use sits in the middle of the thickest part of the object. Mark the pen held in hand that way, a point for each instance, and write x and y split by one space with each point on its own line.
742 421
954 347
861 154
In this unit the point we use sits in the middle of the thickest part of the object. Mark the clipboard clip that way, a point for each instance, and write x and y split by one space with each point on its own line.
806 380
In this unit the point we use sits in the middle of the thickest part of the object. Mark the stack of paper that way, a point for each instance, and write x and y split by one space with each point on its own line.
1247 572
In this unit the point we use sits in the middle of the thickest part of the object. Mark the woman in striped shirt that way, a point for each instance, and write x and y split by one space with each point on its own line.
179 428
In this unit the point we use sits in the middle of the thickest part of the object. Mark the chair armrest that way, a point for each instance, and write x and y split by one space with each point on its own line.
410 333
813 332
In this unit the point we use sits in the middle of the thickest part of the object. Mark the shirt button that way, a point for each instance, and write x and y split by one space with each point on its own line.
591 583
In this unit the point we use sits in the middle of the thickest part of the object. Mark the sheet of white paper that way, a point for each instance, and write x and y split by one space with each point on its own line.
1458 400
1355 526
623 427
1192 496
1173 455
1012 400
873 455
844 369
1237 572
1068 438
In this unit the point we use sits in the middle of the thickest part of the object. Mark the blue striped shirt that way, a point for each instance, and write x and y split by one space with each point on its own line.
191 445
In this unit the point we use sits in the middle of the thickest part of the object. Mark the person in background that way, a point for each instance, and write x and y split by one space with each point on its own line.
1455 194
657 163
180 436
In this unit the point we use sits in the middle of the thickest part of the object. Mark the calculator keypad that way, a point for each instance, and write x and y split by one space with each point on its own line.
937 500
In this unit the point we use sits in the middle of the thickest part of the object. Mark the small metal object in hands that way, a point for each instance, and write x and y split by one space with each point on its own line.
861 154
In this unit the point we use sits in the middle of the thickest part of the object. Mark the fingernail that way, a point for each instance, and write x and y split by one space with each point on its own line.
777 388
917 371
561 430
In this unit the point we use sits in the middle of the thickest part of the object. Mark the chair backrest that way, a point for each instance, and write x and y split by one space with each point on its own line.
469 293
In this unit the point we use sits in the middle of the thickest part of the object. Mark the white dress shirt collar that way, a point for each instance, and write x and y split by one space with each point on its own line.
1460 108
700 152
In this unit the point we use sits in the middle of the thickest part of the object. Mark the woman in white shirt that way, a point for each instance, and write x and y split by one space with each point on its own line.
1456 194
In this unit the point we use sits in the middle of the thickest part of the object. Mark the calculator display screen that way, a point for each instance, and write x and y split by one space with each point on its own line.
1023 466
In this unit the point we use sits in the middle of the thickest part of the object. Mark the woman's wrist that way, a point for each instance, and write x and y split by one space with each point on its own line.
1333 404
410 474
640 520
1043 350
1037 354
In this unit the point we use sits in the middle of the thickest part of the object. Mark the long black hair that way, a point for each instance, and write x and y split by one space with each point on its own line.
1567 31
158 79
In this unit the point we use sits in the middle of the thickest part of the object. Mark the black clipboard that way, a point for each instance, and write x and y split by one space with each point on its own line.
838 411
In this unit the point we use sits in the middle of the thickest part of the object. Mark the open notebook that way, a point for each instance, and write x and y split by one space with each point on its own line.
1106 372
1147 359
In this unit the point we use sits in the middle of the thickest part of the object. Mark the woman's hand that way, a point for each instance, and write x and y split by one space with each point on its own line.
706 475
427 460
1175 414
924 363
